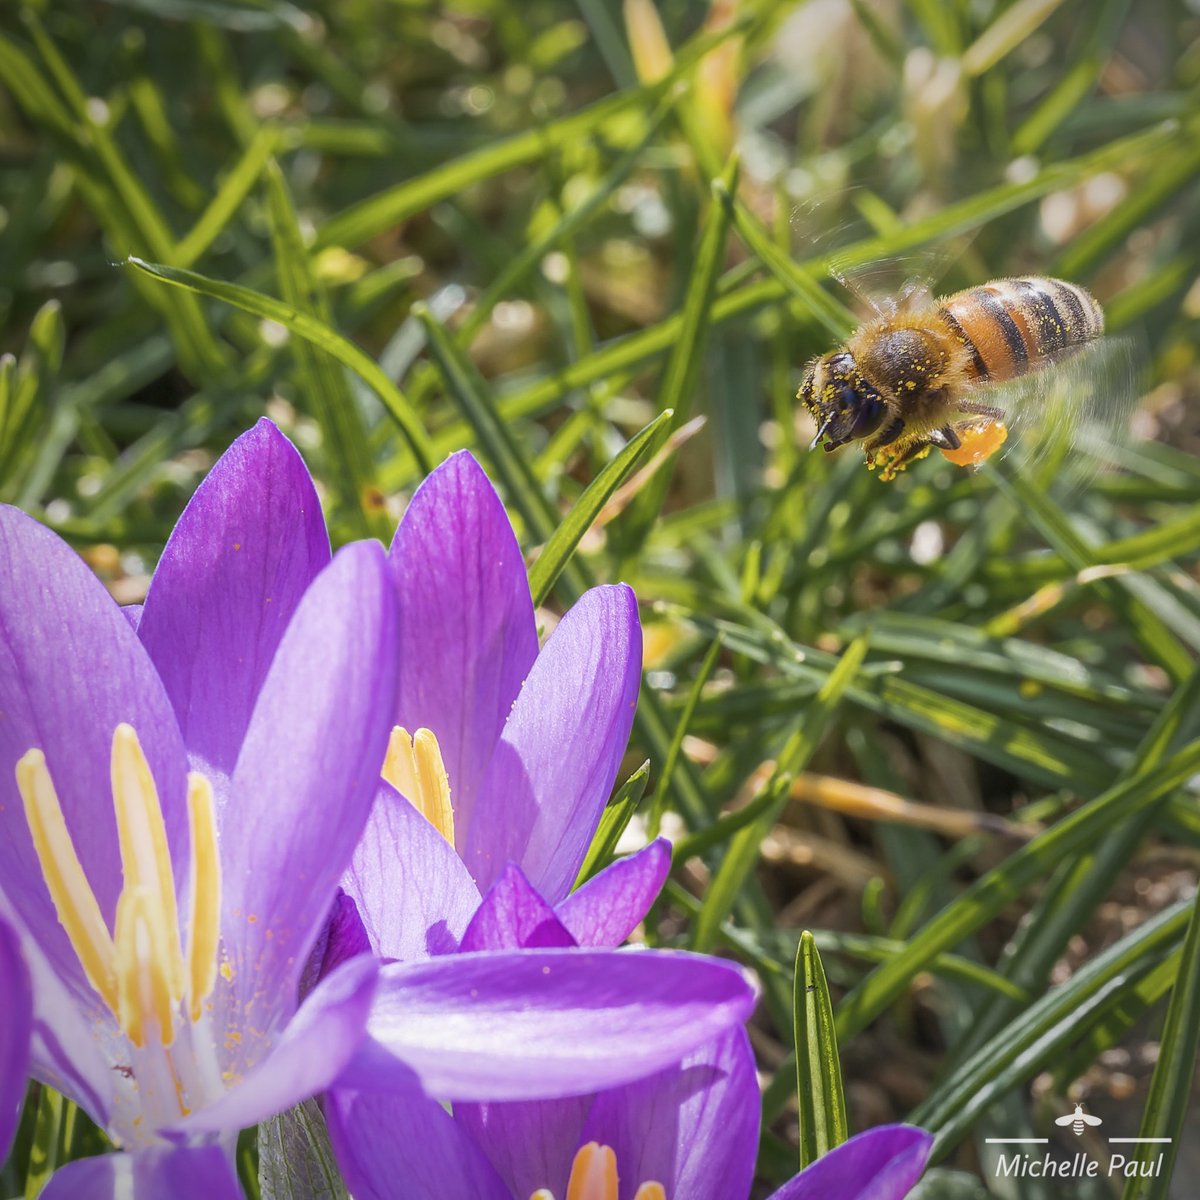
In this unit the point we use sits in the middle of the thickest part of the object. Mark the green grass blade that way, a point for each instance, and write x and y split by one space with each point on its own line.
800 281
1003 884
558 550
1066 96
311 330
151 105
663 791
1054 1020
1171 175
1128 1008
1126 594
563 229
939 24
1006 33
1078 887
615 818
127 209
740 859
372 216
234 189
821 1100
876 949
1043 755
743 850
44 1149
467 391
678 387
1174 1076
677 391
320 379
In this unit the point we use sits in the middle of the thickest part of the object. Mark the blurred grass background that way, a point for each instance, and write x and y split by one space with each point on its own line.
947 724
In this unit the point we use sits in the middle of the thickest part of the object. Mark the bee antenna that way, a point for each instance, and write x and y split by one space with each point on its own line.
820 434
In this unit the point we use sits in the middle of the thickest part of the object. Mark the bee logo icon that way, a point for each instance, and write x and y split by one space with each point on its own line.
1078 1119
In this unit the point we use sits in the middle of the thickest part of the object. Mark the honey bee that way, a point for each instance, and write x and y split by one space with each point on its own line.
909 382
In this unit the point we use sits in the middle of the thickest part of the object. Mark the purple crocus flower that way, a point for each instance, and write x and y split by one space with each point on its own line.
881 1164
156 906
503 784
513 759
687 1132
530 741
181 788
690 1133
517 749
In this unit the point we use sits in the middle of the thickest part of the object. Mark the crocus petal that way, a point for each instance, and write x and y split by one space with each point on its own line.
345 935
881 1164
608 908
199 1173
71 670
314 1047
535 1024
530 1143
467 631
693 1128
392 1146
304 783
555 763
63 1051
15 1031
247 546
132 613
413 892
512 916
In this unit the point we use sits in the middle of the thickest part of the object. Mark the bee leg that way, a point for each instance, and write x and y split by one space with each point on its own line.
974 408
945 438
886 436
918 448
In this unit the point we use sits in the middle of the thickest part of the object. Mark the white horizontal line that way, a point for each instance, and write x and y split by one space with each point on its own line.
1018 1141
1167 1141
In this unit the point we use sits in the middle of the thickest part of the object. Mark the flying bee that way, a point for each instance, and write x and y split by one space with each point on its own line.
1077 1120
908 382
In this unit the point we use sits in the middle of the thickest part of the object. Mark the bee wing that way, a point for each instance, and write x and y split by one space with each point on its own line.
833 231
1064 1120
901 283
1090 1120
1068 420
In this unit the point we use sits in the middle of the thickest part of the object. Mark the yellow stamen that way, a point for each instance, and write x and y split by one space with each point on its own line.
414 767
143 989
78 910
593 1174
139 972
145 859
594 1177
650 1191
204 919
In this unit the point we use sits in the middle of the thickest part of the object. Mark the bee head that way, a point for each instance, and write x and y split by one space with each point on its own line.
842 402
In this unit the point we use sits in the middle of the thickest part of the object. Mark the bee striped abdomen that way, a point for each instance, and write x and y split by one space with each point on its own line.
1009 326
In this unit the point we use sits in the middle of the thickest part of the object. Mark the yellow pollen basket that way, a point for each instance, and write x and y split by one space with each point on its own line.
414 767
594 1177
139 970
978 443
